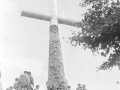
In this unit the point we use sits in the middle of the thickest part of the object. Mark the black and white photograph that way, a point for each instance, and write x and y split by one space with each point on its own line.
59 44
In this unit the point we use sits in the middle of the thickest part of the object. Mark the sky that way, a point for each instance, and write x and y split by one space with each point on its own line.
24 46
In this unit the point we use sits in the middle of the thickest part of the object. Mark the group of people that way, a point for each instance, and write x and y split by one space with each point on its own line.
24 82
81 87
59 88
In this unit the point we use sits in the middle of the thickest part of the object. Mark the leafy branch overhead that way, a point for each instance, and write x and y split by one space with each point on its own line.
100 30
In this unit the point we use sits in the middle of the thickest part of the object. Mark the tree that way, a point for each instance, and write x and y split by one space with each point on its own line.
100 30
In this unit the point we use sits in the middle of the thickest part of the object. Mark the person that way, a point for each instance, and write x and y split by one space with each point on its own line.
37 87
48 87
16 86
24 81
79 87
31 80
10 88
69 88
84 87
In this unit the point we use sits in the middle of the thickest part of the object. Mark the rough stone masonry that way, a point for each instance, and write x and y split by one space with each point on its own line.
56 75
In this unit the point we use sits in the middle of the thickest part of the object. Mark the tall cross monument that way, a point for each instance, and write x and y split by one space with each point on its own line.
56 75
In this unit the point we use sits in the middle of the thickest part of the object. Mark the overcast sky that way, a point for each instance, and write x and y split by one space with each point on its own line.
24 46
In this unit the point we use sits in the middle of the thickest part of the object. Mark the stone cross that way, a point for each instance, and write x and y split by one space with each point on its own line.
56 75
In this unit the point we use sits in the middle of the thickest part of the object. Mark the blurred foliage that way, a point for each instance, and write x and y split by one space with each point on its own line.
100 30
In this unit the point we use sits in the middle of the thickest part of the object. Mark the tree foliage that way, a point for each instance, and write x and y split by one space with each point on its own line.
100 30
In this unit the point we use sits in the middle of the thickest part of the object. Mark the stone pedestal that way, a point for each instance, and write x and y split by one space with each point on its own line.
56 75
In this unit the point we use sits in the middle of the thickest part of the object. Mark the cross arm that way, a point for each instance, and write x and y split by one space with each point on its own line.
41 16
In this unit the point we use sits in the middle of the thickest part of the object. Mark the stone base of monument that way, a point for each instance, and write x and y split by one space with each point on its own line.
57 84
